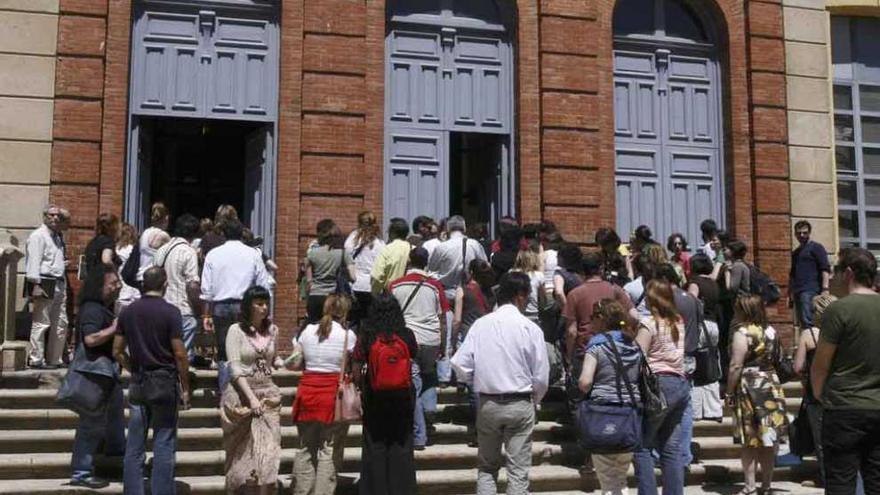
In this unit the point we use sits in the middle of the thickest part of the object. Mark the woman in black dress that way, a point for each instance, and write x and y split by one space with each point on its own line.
387 459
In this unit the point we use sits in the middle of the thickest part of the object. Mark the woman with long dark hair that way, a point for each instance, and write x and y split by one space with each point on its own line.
661 338
102 248
387 463
321 350
250 408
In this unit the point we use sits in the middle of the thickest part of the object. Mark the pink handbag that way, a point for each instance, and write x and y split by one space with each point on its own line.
348 397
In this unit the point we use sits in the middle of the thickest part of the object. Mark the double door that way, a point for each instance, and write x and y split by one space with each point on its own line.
441 80
668 159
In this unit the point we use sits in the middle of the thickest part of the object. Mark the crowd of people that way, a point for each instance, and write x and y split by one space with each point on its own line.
649 337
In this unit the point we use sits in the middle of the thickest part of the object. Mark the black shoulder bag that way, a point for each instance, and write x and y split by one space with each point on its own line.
707 360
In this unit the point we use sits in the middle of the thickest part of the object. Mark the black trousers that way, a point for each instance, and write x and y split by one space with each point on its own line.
387 463
851 443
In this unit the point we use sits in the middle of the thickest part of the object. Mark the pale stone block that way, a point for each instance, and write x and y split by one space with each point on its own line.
25 32
20 240
807 93
809 129
27 75
833 4
810 164
26 119
25 162
824 232
22 206
805 4
806 59
812 199
44 6
805 25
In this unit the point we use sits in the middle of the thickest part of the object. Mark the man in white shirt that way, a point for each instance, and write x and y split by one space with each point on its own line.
46 286
505 358
230 270
181 264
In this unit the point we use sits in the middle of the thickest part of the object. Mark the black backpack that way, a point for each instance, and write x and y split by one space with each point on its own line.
761 284
132 266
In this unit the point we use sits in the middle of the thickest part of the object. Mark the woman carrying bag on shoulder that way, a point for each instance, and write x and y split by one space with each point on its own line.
321 350
250 408
609 379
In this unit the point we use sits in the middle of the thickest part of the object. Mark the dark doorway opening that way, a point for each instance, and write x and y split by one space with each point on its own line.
474 175
197 165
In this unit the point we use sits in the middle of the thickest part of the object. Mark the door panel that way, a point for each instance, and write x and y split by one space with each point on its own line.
204 63
137 177
414 77
165 65
416 181
259 189
479 91
667 163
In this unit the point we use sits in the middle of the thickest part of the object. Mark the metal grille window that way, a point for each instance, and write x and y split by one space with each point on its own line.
856 60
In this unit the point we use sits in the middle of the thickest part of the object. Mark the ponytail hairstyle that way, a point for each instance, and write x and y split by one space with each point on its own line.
609 315
336 308
158 213
661 302
527 261
367 229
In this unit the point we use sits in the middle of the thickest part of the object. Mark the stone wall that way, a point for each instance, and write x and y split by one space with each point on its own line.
28 34
810 123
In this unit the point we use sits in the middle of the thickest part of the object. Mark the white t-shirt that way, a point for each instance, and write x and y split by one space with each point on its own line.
551 261
325 356
147 252
635 290
536 281
128 293
364 261
430 245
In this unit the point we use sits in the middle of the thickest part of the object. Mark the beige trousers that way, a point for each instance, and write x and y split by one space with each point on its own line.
49 316
318 458
611 470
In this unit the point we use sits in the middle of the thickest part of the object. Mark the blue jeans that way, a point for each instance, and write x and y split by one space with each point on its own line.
92 430
190 326
804 302
163 421
687 433
426 401
225 314
665 435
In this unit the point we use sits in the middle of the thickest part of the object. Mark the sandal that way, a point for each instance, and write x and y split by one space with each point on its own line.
753 491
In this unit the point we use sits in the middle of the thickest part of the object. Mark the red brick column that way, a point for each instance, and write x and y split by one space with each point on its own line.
79 91
772 203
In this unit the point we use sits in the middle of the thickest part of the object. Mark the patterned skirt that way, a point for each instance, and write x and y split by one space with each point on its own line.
759 413
252 444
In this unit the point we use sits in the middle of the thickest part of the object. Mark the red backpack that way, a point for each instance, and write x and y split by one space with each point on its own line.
390 364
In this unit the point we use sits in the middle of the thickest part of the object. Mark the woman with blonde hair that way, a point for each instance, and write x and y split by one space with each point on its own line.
154 237
124 245
754 392
215 237
322 350
363 245
528 261
250 408
661 337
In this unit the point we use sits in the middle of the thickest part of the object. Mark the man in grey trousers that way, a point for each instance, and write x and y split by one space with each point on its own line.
505 358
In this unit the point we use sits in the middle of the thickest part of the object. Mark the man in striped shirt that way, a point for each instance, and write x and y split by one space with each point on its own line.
181 264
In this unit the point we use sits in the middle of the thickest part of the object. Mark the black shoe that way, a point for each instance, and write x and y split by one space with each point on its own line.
38 366
418 447
90 482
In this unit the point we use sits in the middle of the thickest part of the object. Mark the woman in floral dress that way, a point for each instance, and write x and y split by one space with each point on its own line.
754 392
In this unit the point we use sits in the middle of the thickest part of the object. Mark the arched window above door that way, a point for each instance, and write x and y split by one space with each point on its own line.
674 20
476 14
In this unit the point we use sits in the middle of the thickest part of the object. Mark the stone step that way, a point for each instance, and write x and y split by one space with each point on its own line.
199 378
211 463
717 476
61 440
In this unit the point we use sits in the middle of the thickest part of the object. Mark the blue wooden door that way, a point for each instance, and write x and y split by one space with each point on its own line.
259 190
416 175
443 74
667 139
208 63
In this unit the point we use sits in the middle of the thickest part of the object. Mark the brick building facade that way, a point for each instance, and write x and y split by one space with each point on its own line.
331 118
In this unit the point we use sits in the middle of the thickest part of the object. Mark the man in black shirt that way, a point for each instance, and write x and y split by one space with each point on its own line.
97 326
151 328
810 273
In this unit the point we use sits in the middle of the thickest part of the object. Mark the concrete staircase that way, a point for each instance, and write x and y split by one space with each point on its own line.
36 438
